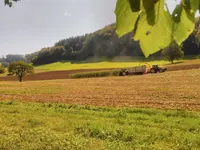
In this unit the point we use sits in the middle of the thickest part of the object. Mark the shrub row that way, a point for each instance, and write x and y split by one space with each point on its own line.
96 74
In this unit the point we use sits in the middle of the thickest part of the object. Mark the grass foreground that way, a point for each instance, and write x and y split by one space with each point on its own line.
62 126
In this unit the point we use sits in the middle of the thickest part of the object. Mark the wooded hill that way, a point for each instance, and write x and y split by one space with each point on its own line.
102 43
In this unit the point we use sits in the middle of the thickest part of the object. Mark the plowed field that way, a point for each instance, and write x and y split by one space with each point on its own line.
176 90
52 75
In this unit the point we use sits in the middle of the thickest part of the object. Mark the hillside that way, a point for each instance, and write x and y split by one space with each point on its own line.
102 43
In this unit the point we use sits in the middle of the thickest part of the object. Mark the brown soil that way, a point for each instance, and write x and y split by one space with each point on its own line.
183 67
170 90
52 75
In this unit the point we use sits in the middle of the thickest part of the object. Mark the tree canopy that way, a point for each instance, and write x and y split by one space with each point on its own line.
173 52
20 69
153 24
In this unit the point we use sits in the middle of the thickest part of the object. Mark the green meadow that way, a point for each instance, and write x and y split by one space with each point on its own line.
28 126
96 65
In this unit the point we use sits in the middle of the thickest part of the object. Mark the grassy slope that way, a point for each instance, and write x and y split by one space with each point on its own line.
60 126
101 65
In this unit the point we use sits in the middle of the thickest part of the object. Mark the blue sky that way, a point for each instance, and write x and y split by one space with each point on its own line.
33 24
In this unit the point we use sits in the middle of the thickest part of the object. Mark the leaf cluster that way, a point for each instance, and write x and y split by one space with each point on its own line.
10 2
154 26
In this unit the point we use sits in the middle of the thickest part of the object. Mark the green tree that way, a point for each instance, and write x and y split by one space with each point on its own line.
2 69
20 69
173 52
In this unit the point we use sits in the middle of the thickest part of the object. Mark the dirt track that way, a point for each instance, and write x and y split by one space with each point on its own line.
66 74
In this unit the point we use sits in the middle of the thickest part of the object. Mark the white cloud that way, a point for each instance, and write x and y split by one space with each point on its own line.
67 14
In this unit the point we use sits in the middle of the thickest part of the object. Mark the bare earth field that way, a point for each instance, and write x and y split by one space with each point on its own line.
170 90
51 75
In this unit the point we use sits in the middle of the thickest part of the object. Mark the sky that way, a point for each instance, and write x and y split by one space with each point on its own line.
33 24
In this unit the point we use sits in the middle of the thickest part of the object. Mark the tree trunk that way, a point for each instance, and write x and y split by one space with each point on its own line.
20 78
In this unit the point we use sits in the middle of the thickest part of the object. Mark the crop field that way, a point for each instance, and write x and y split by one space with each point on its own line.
176 90
153 111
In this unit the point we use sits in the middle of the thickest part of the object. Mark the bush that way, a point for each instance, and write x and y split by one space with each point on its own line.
115 73
2 70
96 74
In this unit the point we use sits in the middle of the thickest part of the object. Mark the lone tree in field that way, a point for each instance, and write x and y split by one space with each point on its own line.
173 52
20 69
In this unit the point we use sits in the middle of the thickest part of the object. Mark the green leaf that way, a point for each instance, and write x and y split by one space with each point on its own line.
183 23
154 28
135 5
125 17
191 5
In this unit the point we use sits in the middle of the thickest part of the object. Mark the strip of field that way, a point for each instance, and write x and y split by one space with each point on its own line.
39 126
51 75
58 66
170 90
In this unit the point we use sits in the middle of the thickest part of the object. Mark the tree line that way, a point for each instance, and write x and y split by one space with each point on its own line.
102 43
5 60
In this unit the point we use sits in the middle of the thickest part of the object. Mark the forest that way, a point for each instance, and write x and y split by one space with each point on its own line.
102 43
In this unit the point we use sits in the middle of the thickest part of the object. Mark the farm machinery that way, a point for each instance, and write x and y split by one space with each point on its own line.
139 70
